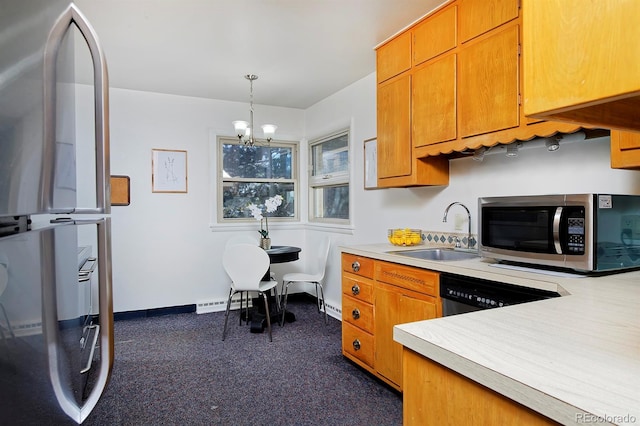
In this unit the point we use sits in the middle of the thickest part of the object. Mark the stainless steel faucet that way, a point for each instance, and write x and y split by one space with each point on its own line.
444 219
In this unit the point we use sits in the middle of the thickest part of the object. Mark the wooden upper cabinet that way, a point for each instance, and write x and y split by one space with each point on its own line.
435 35
488 84
625 150
434 102
394 57
480 16
582 62
394 128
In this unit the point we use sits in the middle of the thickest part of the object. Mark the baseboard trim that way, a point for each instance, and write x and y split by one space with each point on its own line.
146 313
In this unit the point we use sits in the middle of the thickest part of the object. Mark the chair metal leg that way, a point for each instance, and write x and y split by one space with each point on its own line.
321 301
246 319
6 317
226 315
284 302
277 296
266 307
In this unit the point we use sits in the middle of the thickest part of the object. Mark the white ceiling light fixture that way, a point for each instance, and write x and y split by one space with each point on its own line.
245 130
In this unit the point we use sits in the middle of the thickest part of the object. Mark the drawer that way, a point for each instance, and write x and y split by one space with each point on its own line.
416 279
357 343
357 313
357 265
357 288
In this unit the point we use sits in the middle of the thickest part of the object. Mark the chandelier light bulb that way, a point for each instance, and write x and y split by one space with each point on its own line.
269 131
241 127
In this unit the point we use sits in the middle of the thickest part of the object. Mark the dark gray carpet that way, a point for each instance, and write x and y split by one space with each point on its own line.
176 370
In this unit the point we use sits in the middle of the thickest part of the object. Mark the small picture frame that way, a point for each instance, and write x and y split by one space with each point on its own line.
169 170
370 164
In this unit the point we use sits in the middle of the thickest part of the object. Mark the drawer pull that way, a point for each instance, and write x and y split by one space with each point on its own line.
355 313
356 345
355 266
355 289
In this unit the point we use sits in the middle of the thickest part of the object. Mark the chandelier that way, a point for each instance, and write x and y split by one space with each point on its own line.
244 130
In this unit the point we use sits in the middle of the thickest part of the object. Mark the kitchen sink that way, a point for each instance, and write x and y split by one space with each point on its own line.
444 255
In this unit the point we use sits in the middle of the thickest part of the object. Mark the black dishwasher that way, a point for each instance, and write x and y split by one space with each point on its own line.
461 294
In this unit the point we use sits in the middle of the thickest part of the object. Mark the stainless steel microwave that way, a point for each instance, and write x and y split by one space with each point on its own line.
581 232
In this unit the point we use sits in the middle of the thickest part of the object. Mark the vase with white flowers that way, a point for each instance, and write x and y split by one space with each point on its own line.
271 205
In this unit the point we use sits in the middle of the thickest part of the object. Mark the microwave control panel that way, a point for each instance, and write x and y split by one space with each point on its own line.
576 231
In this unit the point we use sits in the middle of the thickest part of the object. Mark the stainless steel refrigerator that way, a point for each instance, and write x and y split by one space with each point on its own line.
56 310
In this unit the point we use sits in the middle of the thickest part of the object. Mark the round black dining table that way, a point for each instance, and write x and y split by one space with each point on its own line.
283 254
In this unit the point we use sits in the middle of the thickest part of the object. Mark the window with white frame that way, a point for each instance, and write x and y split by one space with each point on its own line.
329 178
251 174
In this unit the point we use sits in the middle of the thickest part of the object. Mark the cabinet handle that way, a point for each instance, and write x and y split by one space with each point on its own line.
355 266
356 345
355 289
355 313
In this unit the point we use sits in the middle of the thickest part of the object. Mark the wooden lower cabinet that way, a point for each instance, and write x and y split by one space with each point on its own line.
375 298
395 305
435 395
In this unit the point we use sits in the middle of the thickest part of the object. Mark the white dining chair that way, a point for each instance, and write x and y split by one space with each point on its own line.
246 265
242 239
315 276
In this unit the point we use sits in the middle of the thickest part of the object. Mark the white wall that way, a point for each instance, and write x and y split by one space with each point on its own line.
165 253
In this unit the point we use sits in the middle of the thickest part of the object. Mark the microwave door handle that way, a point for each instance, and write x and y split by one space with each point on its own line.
556 230
101 92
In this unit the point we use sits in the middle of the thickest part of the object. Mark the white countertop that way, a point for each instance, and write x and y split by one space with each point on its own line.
575 359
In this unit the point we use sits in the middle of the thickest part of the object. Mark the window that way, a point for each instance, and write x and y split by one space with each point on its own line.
329 179
253 174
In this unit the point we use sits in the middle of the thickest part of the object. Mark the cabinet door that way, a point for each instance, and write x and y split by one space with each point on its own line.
434 102
394 128
625 150
488 84
387 314
394 305
435 35
479 16
582 65
394 57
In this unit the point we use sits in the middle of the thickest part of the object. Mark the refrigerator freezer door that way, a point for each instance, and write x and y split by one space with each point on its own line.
38 146
25 28
61 174
47 326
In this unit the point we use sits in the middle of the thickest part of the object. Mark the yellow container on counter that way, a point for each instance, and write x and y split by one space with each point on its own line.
405 236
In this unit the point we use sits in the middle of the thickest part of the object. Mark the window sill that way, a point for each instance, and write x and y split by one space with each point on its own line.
327 227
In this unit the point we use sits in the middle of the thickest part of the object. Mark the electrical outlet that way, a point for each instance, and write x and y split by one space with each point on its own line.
630 226
459 219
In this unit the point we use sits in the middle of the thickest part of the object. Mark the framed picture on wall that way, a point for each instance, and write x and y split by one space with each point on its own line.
370 164
169 170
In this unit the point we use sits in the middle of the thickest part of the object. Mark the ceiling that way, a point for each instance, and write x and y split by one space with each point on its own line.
301 50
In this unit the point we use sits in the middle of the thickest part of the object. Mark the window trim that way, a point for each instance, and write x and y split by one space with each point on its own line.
335 179
220 180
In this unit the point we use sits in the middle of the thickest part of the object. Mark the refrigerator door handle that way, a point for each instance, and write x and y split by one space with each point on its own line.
101 94
96 329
